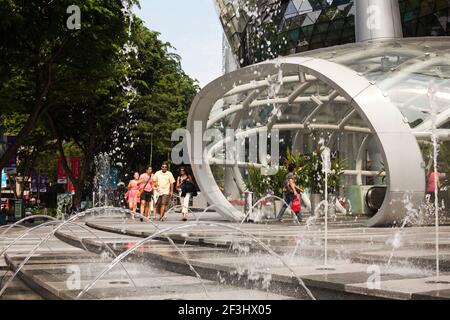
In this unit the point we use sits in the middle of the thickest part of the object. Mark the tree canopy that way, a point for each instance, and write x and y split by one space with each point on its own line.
112 86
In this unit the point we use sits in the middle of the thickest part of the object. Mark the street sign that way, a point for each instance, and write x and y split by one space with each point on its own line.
43 178
39 181
61 174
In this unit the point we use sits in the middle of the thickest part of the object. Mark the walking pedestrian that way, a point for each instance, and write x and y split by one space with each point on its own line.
291 191
132 194
186 189
146 189
433 179
165 181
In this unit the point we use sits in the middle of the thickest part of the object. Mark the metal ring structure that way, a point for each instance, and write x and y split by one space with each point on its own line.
399 148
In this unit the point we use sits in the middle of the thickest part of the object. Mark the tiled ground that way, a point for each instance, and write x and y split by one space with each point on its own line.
60 271
234 263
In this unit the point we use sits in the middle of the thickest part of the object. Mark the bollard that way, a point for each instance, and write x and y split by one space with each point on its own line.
248 207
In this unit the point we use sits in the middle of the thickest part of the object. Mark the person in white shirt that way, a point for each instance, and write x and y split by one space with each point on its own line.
165 181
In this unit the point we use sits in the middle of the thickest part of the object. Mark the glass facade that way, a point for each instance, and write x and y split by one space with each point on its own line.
258 30
374 104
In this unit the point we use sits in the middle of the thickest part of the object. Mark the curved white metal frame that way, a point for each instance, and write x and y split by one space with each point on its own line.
400 151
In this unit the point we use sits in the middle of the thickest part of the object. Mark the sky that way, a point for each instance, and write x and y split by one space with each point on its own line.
193 28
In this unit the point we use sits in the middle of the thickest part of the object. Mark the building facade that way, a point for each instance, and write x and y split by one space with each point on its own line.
258 30
375 104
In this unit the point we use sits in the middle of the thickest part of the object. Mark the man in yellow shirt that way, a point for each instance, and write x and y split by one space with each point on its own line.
165 181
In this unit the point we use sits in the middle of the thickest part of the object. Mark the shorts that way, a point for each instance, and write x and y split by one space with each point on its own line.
431 197
147 196
163 200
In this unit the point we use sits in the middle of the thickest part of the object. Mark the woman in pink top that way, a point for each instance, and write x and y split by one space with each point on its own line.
133 188
433 178
146 187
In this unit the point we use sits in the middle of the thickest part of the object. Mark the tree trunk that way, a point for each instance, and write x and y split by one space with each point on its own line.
85 163
89 154
42 89
20 139
79 188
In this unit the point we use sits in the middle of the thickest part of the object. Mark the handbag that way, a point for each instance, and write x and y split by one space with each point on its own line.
139 193
188 187
296 206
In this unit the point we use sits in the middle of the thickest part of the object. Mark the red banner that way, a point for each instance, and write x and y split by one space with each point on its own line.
75 166
62 175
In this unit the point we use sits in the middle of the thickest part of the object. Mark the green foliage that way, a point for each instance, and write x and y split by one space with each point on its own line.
73 80
309 174
276 182
257 182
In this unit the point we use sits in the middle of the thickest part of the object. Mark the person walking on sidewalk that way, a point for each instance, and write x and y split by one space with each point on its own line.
291 191
186 189
132 194
146 189
165 180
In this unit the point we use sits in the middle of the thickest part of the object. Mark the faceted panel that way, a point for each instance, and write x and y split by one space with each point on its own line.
264 29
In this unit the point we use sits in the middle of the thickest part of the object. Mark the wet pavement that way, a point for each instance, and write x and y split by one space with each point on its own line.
215 259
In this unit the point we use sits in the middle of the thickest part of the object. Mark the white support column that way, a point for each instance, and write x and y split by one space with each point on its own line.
377 19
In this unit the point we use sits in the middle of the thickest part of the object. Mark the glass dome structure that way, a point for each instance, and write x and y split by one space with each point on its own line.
371 103
294 26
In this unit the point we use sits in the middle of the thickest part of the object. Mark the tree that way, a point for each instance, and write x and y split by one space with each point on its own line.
87 107
165 96
38 53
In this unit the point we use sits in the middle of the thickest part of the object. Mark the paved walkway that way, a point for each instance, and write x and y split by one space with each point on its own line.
402 259
232 260
59 270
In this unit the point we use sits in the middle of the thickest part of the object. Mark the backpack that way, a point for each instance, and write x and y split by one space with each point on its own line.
296 206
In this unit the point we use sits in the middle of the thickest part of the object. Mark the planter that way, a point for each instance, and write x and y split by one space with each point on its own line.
277 208
306 202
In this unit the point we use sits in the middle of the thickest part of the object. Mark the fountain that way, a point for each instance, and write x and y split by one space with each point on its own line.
326 169
154 235
102 179
432 90
59 225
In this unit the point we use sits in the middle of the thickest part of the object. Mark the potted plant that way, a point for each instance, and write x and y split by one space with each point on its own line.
256 182
310 175
302 173
276 184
